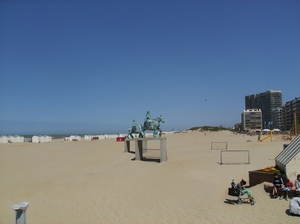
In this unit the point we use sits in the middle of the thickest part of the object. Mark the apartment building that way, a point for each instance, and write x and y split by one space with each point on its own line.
267 102
287 113
276 114
252 119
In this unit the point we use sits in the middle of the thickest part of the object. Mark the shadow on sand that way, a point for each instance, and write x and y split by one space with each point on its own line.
148 159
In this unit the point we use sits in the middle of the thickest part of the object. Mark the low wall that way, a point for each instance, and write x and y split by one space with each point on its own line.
258 177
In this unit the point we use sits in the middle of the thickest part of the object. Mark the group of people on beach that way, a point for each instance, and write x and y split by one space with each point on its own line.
284 185
280 184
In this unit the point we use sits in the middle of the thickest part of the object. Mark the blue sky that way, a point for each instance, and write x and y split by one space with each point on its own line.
94 66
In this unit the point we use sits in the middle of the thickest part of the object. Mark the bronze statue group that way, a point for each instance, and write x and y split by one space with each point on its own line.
149 124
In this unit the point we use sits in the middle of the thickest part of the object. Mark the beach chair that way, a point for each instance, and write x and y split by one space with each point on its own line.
235 191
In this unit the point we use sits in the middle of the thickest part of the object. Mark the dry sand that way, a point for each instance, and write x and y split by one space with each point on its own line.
88 182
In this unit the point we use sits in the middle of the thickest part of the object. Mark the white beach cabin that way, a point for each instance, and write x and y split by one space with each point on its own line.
15 138
35 139
288 160
41 138
3 139
90 137
73 138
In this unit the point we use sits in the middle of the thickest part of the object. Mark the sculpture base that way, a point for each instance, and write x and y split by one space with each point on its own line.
141 146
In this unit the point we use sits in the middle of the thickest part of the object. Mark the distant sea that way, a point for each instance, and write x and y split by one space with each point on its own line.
53 136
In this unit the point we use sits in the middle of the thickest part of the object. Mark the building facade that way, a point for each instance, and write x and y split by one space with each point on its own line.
276 114
287 114
252 119
267 102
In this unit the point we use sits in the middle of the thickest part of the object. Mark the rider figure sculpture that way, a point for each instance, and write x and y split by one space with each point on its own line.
148 119
129 134
133 123
148 116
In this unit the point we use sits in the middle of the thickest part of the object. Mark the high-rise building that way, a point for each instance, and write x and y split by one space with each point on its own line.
276 114
287 113
251 120
267 102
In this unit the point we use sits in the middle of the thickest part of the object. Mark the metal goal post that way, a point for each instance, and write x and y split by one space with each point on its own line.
234 157
219 145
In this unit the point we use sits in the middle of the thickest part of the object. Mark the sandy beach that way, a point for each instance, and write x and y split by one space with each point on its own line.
87 182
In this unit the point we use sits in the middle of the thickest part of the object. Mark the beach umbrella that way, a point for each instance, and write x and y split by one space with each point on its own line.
276 129
266 130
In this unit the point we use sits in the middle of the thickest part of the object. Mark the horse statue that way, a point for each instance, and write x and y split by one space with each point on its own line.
153 124
136 129
149 124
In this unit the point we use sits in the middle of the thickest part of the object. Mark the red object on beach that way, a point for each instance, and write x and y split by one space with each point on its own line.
121 139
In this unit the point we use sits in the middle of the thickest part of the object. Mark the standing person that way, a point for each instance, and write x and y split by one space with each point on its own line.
288 184
297 183
277 183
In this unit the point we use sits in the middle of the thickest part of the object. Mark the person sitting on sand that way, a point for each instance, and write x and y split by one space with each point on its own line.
241 185
277 183
287 187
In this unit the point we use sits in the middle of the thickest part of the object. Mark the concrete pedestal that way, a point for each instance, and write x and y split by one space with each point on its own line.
141 146
21 212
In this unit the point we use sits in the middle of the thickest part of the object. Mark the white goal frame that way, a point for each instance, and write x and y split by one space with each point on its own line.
234 151
219 143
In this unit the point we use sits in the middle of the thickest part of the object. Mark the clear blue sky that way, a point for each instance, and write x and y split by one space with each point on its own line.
94 66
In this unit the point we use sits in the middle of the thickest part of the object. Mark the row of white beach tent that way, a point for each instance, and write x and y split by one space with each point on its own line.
46 138
268 130
276 129
17 138
73 138
99 137
90 137
41 138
